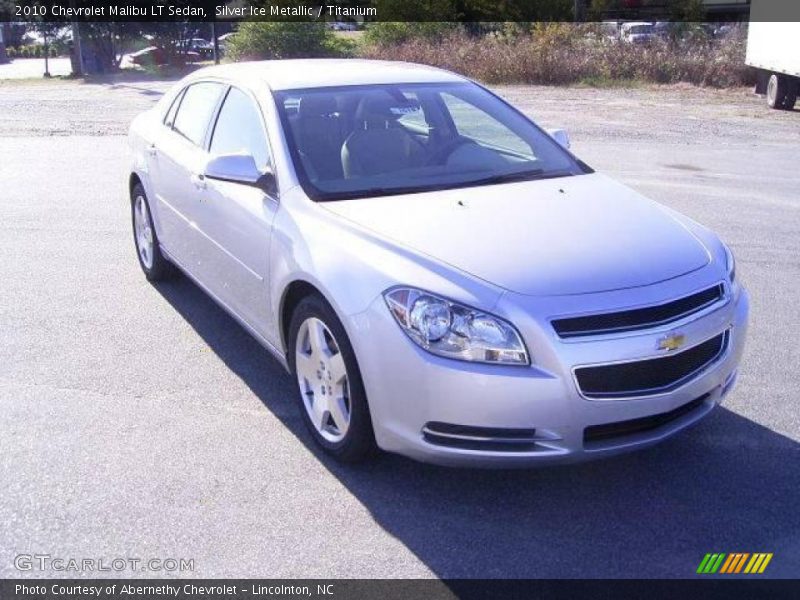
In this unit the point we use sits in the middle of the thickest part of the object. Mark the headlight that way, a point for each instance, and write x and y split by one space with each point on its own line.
448 329
730 263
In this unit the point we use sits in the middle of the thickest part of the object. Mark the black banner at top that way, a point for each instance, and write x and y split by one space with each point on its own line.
463 11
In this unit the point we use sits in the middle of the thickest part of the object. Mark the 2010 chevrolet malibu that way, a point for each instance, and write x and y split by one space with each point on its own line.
442 278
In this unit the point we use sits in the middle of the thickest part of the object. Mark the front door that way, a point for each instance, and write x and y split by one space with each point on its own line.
236 219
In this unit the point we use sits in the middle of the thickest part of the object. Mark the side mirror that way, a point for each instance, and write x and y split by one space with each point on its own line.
561 136
241 168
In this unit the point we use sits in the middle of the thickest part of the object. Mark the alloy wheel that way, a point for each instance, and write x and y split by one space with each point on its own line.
322 377
143 230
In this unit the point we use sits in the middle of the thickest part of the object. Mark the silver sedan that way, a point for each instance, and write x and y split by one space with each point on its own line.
443 278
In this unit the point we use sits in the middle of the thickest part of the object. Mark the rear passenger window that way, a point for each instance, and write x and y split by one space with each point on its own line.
239 129
170 118
196 110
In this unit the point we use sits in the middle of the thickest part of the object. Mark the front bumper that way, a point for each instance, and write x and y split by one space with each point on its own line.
412 392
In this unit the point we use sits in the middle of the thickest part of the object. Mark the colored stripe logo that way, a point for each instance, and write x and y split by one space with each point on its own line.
737 562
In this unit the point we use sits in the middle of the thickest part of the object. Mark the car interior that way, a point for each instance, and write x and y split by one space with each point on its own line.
374 133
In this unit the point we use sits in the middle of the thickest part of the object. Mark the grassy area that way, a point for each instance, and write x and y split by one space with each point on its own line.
353 36
27 81
166 73
603 81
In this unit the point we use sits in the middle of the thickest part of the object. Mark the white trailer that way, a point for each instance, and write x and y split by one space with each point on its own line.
774 49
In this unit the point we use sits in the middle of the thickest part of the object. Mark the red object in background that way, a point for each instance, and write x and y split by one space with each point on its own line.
157 56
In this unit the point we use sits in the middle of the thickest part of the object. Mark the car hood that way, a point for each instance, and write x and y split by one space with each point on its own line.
564 236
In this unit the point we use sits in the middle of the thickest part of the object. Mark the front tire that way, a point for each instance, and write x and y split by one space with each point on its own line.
148 250
333 402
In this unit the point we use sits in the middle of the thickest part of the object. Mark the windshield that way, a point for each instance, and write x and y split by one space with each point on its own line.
641 29
375 140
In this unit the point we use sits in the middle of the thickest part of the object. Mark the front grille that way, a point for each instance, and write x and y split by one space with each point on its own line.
639 318
607 431
466 437
651 376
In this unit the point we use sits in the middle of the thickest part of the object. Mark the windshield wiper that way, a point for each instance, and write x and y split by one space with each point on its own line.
531 175
519 176
376 192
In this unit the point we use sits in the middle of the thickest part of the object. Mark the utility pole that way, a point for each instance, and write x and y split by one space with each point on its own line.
76 41
3 55
46 53
578 11
215 41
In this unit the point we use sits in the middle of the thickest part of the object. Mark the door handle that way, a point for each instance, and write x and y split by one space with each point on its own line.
199 181
152 150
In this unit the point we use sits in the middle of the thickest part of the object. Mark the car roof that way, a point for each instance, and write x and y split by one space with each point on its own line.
326 72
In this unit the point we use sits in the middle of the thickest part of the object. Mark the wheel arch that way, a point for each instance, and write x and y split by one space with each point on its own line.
133 181
138 177
291 297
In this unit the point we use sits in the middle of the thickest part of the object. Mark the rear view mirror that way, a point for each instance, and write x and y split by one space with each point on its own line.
241 168
561 136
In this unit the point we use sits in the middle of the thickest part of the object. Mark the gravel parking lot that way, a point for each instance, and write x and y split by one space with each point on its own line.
141 421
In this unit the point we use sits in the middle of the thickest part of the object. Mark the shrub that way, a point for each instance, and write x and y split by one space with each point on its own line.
30 51
388 33
289 39
563 53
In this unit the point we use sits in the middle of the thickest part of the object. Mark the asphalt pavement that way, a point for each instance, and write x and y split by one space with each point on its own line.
141 421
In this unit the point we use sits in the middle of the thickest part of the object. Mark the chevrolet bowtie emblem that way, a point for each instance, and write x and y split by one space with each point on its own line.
673 341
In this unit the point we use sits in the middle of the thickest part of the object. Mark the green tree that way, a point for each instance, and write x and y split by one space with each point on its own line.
688 10
6 10
418 11
597 8
3 53
284 39
515 10
388 33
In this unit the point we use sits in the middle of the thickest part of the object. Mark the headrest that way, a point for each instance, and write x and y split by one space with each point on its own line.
316 105
380 108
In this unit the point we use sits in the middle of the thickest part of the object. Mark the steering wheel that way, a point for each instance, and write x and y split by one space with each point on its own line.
440 156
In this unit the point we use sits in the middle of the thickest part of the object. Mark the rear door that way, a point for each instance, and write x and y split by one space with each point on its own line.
178 157
235 218
170 227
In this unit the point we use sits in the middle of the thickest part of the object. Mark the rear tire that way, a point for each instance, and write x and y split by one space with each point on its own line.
781 92
791 94
332 399
148 250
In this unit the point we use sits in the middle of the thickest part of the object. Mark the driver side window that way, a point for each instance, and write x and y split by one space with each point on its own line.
471 122
239 129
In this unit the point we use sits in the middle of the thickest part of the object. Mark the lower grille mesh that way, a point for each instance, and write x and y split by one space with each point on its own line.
650 376
608 431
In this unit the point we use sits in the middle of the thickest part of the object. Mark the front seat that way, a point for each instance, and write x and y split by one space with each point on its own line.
320 136
379 143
